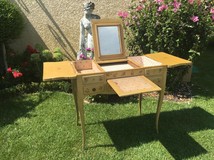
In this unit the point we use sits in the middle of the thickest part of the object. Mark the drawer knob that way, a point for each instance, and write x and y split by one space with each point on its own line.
93 89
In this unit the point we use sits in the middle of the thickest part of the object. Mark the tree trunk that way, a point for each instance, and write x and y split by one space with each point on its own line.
3 61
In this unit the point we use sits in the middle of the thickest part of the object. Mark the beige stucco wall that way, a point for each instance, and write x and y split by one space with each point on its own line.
55 23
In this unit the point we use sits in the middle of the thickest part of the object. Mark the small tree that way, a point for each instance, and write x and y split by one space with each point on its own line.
11 26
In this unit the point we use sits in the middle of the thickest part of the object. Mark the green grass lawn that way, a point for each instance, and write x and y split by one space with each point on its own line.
43 126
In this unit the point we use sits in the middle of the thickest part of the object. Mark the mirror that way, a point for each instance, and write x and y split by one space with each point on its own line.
108 39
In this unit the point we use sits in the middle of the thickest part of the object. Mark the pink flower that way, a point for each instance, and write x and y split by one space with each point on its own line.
212 10
134 17
139 8
194 18
159 1
162 7
212 16
126 23
142 1
17 74
122 14
82 56
9 70
176 5
88 49
190 1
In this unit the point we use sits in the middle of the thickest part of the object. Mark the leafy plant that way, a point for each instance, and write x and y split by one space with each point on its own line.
36 56
23 88
28 67
11 25
12 22
178 27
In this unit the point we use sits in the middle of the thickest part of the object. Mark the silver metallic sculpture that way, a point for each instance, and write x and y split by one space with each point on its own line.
86 40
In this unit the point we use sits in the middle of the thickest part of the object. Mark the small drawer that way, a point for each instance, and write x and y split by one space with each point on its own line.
138 72
125 73
154 71
93 89
117 74
100 78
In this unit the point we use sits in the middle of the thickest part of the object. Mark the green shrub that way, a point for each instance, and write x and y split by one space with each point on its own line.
24 88
29 63
178 27
46 55
12 22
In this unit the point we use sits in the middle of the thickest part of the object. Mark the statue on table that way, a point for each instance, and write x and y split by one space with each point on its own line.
86 40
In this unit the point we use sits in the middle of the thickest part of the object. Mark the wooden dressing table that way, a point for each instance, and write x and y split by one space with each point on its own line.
112 72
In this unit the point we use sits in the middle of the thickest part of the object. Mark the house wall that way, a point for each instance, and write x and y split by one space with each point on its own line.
55 23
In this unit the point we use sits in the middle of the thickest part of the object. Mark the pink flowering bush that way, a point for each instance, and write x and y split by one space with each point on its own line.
178 27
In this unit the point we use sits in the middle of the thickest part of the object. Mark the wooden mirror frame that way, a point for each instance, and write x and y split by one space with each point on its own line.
105 23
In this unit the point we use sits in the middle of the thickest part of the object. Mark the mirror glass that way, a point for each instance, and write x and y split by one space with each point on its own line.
109 40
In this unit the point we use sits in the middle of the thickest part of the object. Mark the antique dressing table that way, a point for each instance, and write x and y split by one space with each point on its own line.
112 71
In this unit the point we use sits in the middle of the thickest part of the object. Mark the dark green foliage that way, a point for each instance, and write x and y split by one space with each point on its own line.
29 64
23 88
11 21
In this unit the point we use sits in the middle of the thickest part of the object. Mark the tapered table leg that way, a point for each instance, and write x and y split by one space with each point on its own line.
160 101
79 97
74 90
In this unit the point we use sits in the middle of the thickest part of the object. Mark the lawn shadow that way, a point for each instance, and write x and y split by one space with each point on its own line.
19 107
174 128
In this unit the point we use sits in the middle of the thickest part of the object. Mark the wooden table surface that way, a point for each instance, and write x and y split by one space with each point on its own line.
58 70
169 60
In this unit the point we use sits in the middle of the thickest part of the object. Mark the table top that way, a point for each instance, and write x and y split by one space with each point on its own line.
58 70
169 60
66 69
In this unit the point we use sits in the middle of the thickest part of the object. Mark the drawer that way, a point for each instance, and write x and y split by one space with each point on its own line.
91 89
125 73
156 80
100 78
154 71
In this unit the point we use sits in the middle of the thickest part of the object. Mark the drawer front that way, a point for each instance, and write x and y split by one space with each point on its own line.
126 73
100 78
92 89
156 80
154 71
